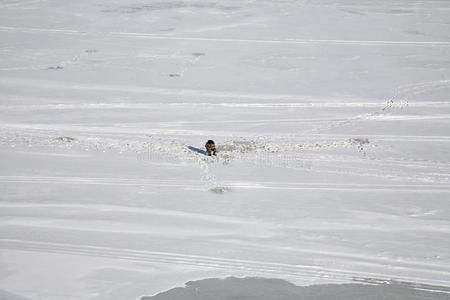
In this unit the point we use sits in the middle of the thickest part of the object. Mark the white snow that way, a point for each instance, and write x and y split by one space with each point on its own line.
331 117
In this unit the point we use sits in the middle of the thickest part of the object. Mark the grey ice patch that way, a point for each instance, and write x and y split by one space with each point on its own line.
220 189
402 11
66 139
242 146
354 12
4 295
415 32
275 289
359 141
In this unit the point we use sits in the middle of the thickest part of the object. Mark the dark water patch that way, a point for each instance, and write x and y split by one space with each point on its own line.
275 289
411 285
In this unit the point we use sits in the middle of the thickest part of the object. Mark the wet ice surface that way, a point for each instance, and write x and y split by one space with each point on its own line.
331 119
270 289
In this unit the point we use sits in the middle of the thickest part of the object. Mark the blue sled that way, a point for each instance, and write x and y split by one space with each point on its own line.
197 150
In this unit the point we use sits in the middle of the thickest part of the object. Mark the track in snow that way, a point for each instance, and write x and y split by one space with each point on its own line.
291 271
189 184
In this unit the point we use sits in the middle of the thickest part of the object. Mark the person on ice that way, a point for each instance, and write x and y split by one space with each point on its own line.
210 148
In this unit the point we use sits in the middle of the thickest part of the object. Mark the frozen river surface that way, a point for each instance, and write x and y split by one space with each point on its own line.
331 118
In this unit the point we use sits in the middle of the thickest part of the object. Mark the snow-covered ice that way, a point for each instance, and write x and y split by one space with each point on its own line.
331 118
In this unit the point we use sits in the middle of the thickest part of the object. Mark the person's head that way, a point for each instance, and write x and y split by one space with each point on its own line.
210 142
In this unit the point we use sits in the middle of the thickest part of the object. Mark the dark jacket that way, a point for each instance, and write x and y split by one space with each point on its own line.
210 146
